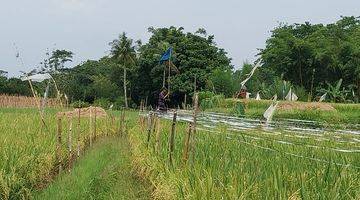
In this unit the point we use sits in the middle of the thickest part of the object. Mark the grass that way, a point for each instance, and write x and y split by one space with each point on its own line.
250 165
27 154
103 173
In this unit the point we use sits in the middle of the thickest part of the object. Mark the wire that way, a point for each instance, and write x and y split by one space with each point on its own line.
286 153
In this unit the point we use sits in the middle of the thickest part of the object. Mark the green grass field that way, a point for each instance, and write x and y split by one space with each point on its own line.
103 173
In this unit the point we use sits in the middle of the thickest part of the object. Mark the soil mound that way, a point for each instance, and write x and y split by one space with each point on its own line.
85 112
305 106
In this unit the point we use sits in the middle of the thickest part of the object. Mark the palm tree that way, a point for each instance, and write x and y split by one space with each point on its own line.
123 51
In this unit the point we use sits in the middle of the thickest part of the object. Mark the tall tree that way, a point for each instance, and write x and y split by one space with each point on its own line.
124 51
194 54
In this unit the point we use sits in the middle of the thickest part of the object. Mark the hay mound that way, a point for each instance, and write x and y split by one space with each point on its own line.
85 112
305 106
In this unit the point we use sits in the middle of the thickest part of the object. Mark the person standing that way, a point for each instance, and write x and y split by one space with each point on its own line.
162 98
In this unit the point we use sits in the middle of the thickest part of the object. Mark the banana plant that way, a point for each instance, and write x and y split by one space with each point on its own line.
335 92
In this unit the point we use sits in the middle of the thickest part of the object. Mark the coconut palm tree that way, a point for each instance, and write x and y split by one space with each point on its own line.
124 51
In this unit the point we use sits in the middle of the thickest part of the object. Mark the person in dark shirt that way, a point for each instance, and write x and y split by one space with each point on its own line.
161 101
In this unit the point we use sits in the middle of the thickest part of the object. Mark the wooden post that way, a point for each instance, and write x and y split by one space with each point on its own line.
149 128
193 138
95 124
90 127
123 122
58 147
171 139
157 133
186 144
79 134
70 142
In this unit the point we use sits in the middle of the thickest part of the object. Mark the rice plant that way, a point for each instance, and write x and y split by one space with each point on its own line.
28 149
252 164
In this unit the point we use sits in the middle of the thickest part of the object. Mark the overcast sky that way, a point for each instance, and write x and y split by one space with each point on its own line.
87 26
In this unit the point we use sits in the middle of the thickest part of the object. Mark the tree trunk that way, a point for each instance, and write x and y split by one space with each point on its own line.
125 96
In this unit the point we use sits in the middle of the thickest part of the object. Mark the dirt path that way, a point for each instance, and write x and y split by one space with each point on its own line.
104 172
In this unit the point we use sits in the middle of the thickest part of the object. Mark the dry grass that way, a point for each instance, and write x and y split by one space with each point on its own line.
7 101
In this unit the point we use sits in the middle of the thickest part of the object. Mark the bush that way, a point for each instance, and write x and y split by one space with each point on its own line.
119 103
210 100
80 104
238 109
102 102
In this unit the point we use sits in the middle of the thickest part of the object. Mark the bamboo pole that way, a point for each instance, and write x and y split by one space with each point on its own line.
90 126
123 122
171 139
70 142
186 144
193 138
95 124
58 147
158 136
79 133
149 128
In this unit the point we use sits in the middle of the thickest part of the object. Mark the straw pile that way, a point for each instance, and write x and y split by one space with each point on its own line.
85 112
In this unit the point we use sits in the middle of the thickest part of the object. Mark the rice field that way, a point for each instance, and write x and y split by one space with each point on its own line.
227 163
249 164
28 150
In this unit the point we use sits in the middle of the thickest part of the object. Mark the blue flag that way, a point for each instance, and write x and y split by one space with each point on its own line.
166 56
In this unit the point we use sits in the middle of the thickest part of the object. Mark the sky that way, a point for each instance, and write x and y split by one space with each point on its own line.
85 27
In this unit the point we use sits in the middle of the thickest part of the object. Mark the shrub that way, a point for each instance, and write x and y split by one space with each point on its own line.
102 102
80 104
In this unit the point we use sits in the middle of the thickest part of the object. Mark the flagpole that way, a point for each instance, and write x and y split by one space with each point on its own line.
169 73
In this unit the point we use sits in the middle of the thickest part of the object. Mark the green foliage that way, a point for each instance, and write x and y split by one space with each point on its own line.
328 53
103 87
238 109
80 104
222 82
56 61
13 86
102 102
209 100
194 55
335 92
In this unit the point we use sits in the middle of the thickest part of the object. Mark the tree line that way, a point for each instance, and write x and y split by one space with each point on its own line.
312 59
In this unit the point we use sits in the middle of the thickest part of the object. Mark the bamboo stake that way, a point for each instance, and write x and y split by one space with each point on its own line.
186 144
149 128
171 139
79 133
123 122
193 138
157 140
95 125
70 142
58 148
90 126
